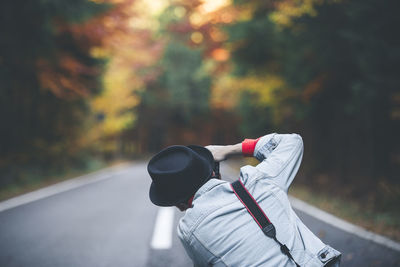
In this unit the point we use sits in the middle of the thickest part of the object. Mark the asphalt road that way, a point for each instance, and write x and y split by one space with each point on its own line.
110 222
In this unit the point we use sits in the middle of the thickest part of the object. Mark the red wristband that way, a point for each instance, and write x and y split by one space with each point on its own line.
248 146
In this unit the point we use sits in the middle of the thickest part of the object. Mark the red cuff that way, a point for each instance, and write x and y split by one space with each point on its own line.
248 146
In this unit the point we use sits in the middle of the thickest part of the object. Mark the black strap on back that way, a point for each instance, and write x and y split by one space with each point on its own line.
258 215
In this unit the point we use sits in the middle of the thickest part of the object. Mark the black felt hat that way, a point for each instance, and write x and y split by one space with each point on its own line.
178 172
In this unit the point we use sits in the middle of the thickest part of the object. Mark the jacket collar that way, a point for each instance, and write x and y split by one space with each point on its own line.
207 187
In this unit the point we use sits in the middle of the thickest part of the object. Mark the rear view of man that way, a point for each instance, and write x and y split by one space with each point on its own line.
219 228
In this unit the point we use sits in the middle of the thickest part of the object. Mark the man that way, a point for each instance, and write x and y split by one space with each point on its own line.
217 230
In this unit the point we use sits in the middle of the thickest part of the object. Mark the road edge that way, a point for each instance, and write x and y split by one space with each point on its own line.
63 186
342 224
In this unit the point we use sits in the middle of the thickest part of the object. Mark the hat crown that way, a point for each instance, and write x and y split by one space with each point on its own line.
177 172
170 160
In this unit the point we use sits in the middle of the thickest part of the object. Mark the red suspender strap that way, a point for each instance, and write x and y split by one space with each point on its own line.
258 214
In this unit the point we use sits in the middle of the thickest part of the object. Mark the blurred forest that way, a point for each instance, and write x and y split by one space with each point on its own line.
113 79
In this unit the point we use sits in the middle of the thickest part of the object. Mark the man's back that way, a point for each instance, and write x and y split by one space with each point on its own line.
218 230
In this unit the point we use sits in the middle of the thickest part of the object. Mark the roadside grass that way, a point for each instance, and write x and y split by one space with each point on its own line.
35 179
386 223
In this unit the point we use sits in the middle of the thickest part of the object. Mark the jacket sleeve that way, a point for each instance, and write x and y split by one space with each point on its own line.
280 156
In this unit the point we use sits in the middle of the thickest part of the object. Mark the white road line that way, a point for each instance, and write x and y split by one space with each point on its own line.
342 224
162 235
62 187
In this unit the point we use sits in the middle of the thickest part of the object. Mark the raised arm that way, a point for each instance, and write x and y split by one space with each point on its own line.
280 155
221 153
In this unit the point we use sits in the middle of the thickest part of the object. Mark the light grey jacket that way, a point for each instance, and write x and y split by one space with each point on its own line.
218 230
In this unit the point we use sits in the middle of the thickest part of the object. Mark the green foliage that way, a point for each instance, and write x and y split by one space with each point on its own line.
256 44
250 113
72 11
184 78
176 99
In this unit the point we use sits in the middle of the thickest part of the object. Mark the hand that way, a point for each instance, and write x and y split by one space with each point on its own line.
219 153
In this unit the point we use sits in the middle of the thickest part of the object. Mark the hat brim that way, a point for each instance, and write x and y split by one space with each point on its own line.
157 195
